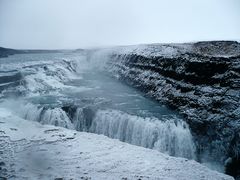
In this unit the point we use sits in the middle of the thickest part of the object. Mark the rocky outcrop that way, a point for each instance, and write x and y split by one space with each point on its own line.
201 81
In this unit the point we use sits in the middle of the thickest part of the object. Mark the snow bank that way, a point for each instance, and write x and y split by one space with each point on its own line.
48 152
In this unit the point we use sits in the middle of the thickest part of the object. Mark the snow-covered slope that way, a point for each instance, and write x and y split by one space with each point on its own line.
29 149
205 48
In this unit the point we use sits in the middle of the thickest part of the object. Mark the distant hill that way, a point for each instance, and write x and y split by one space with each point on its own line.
5 52
42 51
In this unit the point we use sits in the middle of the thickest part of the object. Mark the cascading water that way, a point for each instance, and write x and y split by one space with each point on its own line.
53 116
171 136
126 115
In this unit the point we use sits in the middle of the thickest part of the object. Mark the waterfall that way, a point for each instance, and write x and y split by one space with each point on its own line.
171 136
53 116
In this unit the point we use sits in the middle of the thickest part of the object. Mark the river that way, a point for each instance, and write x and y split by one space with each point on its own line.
68 90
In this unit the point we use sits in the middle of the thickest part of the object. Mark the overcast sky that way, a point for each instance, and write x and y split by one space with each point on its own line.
52 24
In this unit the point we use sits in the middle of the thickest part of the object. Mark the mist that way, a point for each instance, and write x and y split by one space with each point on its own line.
62 24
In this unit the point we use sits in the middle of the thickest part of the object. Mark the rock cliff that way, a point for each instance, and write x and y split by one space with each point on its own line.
200 80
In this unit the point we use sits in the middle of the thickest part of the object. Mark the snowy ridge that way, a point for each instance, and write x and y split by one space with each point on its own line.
151 50
69 154
206 48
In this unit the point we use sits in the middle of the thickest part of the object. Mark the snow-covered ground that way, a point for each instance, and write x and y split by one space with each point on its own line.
30 150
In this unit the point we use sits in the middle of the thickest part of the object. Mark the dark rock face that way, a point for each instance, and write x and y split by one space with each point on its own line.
202 83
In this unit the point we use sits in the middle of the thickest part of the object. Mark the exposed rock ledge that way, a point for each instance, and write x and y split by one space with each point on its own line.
201 80
33 151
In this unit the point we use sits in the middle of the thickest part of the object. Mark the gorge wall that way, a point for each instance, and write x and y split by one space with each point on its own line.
201 81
